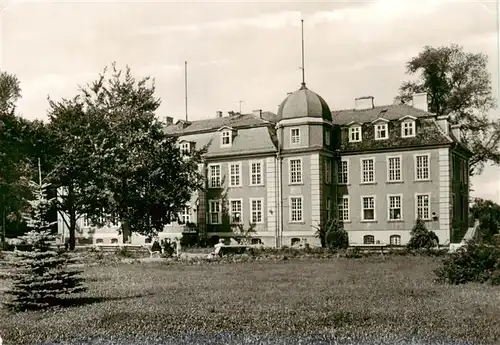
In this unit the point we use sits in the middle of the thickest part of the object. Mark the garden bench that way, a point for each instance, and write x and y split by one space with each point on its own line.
153 254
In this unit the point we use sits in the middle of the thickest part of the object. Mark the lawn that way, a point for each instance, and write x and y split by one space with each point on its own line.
372 300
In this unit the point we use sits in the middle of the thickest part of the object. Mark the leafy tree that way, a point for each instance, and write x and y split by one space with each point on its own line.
10 92
458 84
332 235
421 237
143 178
41 275
488 214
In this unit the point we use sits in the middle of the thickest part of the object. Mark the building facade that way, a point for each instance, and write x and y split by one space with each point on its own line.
374 168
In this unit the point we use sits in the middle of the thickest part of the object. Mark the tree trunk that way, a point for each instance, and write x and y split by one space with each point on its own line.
72 232
125 231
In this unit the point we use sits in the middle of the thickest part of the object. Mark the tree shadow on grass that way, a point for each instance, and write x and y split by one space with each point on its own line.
69 302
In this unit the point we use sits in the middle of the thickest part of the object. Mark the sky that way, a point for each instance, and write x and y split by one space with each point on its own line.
238 51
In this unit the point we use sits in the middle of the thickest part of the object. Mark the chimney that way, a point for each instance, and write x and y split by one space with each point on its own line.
419 101
257 112
169 120
456 131
443 122
219 114
365 102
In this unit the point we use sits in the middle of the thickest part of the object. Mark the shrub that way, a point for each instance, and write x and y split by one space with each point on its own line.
189 240
471 263
421 238
336 236
41 275
124 252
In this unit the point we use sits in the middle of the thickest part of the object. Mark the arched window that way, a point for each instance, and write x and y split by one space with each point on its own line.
395 240
114 240
99 241
256 241
368 239
295 241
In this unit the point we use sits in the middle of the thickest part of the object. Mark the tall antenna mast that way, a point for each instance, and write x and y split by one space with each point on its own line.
303 66
186 86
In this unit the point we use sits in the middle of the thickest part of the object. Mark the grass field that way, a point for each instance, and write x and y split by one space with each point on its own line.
365 301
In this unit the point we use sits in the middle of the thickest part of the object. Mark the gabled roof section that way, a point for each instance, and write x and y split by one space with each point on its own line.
353 123
227 128
389 112
212 125
380 119
407 117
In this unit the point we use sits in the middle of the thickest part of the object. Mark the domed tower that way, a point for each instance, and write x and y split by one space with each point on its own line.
306 156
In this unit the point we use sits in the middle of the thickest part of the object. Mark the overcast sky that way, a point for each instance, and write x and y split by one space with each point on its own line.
248 51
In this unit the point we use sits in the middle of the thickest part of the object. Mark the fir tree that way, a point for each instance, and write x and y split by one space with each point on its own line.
421 237
41 275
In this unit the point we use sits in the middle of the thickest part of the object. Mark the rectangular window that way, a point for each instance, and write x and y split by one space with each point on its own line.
394 169
295 171
368 204
185 215
327 137
422 167
236 207
381 131
214 175
328 171
296 209
355 134
226 138
256 173
395 240
185 148
343 172
86 222
395 207
423 206
295 136
328 207
408 129
344 209
367 170
235 174
215 216
256 209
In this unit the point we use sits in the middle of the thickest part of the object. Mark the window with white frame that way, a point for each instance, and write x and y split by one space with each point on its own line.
295 170
328 171
328 135
214 175
381 131
408 129
185 148
354 134
215 212
256 173
256 209
395 207
368 170
235 174
422 167
185 215
235 209
423 206
295 136
328 208
368 239
394 169
344 208
343 177
368 204
395 240
226 137
296 209
87 223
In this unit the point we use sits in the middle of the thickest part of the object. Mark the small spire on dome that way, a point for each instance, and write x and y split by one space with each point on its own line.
303 67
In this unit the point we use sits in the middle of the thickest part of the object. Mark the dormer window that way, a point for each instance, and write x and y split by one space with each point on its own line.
381 131
185 148
226 138
408 129
355 134
295 136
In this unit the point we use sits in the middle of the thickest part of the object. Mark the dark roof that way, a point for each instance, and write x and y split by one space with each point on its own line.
304 103
234 121
389 112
